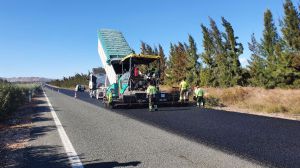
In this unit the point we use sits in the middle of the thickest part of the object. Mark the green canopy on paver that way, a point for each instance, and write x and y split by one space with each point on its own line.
114 44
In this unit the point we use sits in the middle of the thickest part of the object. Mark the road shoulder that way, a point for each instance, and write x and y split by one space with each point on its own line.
44 148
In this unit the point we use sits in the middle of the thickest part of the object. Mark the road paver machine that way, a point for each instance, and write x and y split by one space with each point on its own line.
129 74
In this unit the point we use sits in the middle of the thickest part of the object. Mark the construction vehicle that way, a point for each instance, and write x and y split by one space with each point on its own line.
127 84
97 85
79 88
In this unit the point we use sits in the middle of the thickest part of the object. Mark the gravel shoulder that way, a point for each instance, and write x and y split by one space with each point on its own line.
44 148
14 136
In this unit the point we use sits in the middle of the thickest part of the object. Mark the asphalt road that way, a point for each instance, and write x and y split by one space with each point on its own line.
174 137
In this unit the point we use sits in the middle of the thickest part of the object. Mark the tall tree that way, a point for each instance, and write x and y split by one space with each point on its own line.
271 63
270 36
181 66
192 62
269 42
169 66
208 45
154 65
291 32
143 47
291 26
149 50
146 49
206 76
233 51
257 64
177 63
217 36
162 63
221 72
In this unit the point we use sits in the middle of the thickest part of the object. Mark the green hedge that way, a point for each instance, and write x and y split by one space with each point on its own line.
12 96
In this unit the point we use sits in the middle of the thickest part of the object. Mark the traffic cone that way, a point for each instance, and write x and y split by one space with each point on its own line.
75 94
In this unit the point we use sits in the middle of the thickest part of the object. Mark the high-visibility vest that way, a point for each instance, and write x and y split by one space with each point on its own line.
151 90
184 84
199 92
110 97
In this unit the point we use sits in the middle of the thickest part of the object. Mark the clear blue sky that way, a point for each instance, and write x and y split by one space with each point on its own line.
56 38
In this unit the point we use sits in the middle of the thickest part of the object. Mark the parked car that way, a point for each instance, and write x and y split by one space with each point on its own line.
79 88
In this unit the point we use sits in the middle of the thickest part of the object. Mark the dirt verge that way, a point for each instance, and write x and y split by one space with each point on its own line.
14 136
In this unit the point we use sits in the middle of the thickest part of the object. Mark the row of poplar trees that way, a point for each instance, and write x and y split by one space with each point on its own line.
274 62
71 81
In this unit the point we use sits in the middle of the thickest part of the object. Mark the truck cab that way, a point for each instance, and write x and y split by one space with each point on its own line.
97 85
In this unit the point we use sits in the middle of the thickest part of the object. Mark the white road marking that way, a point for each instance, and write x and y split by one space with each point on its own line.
72 155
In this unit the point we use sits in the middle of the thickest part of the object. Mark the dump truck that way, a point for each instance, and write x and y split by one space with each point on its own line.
127 81
97 85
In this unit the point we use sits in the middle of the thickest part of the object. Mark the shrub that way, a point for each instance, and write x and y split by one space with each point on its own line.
213 101
277 108
14 96
233 95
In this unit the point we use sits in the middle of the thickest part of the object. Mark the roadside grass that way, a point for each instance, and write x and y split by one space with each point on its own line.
258 99
253 98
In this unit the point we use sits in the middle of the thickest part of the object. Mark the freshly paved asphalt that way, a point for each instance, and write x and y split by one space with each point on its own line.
265 141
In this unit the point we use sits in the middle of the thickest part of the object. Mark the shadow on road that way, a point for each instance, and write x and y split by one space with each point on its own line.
168 110
111 164
39 155
46 156
269 141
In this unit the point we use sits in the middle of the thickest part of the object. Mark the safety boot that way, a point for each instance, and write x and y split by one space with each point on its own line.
150 108
155 108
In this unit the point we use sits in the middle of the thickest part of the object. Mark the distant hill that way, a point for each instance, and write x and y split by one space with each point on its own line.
27 79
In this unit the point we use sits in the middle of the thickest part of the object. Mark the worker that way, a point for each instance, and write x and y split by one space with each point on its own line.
183 90
136 71
199 96
76 90
151 93
110 98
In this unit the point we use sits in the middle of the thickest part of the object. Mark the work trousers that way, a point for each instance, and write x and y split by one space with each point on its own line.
184 95
200 99
152 102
